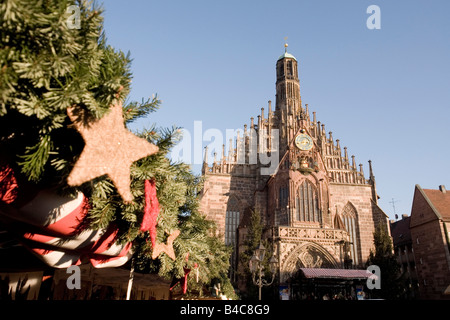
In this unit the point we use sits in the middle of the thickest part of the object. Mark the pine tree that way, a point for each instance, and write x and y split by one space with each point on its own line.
46 67
383 257
253 240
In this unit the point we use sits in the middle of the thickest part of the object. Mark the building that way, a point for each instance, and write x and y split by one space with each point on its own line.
315 202
403 250
430 226
23 276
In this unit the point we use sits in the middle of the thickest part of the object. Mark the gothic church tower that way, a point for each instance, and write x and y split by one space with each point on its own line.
288 100
318 208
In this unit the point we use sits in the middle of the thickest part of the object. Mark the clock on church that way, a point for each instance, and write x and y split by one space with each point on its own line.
303 141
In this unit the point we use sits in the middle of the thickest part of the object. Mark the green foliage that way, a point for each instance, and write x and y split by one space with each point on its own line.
383 257
45 67
253 239
177 191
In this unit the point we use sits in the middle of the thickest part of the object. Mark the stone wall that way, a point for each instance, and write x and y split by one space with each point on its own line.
217 191
360 196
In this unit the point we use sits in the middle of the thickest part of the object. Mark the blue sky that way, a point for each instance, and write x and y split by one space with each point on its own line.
385 94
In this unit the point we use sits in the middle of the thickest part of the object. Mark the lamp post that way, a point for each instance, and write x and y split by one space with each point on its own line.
256 267
344 247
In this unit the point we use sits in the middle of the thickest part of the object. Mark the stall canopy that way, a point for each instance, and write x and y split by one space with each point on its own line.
336 273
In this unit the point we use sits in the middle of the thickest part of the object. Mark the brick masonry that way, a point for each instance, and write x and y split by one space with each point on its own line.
431 248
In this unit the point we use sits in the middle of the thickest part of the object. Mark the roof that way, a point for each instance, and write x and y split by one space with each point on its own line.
287 55
338 223
400 232
325 273
440 200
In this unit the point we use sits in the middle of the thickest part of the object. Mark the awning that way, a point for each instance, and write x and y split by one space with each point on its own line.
324 273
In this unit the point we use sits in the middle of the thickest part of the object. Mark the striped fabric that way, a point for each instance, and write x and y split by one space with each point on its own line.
48 226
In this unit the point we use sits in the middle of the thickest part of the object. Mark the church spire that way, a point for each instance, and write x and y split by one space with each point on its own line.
373 183
288 101
205 161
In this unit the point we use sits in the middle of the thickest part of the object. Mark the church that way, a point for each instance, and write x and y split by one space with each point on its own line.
315 202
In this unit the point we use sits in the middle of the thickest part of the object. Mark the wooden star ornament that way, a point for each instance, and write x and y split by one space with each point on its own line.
166 247
110 148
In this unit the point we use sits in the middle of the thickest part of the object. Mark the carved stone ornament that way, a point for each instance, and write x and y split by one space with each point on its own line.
306 255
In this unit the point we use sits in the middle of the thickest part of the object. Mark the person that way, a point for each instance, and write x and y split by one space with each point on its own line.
312 296
326 297
284 294
216 290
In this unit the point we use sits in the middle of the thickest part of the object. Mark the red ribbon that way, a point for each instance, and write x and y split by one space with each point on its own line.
8 185
151 210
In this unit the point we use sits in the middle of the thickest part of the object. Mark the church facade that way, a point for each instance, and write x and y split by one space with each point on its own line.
315 203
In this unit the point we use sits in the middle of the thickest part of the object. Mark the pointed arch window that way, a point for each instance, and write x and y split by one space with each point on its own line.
307 203
349 217
231 221
283 197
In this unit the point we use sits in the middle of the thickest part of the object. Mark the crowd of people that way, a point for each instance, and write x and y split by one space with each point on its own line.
327 296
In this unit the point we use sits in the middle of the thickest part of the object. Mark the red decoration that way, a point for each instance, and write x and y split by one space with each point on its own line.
151 210
150 220
184 280
8 185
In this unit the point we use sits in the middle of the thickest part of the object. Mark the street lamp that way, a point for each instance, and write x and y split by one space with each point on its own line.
256 267
344 247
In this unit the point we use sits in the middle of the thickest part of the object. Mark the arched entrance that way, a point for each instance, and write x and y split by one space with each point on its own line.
306 255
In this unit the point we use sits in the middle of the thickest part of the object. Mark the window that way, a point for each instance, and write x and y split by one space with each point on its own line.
280 69
349 216
283 197
307 203
289 68
231 221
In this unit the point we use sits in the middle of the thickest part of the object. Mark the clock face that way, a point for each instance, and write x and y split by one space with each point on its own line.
303 142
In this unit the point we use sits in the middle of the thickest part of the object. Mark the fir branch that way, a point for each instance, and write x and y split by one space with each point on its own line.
135 110
35 158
